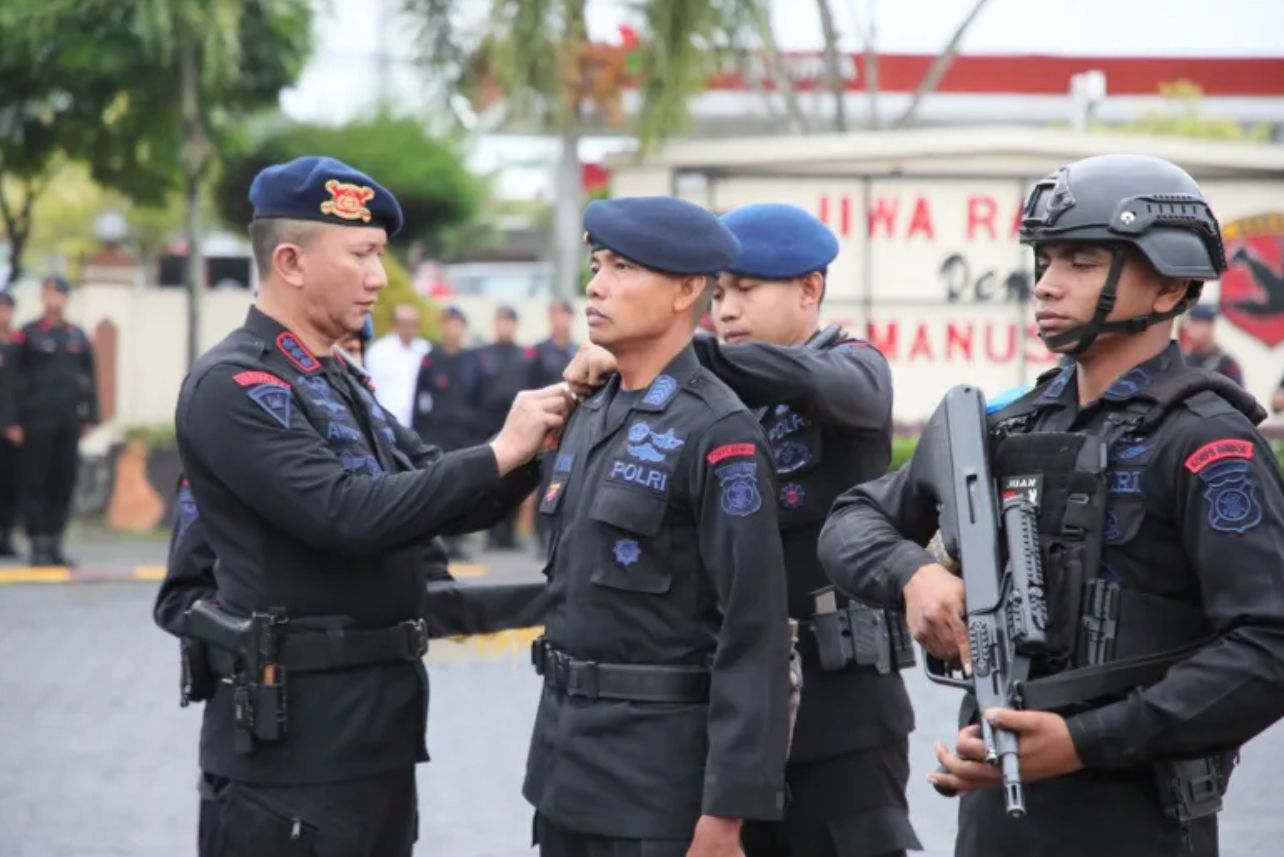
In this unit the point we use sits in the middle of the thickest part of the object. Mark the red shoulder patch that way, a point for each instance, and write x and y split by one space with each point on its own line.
427 362
1218 450
19 337
530 352
254 378
730 450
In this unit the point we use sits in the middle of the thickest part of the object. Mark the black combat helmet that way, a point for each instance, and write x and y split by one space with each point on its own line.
1120 201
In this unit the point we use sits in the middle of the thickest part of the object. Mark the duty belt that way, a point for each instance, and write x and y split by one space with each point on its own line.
632 682
320 650
855 635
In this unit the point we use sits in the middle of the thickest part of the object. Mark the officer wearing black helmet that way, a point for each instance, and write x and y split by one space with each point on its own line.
1161 527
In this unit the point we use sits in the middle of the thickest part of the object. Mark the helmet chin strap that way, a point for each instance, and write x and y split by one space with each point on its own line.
1086 334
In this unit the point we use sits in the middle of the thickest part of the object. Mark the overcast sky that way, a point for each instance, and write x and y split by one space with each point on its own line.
341 79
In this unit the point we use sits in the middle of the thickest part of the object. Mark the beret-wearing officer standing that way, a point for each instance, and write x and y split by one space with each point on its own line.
1160 528
664 718
824 400
318 506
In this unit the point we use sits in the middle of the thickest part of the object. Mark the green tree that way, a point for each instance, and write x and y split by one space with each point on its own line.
144 91
534 57
400 290
427 174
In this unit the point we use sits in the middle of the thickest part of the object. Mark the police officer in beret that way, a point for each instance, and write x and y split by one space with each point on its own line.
554 354
10 430
505 369
1160 527
825 403
664 718
318 506
57 406
447 401
1201 348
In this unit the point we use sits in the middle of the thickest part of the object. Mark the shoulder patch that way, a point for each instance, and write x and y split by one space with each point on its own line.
254 378
296 352
660 391
730 450
1231 494
739 483
274 400
1219 450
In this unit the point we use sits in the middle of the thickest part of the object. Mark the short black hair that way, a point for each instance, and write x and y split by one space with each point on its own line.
268 233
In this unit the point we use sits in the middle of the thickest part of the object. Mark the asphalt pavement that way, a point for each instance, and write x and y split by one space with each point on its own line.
97 759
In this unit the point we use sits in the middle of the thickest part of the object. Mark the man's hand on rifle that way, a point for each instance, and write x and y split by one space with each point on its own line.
1046 751
934 610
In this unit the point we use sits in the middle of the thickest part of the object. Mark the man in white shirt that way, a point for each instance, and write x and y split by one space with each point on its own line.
393 363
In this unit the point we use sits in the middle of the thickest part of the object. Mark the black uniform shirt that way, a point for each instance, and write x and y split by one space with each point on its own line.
55 376
1195 514
316 500
550 362
665 551
8 384
447 399
827 410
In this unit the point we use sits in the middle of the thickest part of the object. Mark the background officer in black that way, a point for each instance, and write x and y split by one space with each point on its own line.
664 717
448 390
447 403
10 430
1199 336
57 405
318 507
825 403
1160 540
505 370
554 354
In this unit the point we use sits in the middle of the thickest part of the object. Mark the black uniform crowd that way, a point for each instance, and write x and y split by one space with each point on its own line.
463 394
733 579
48 401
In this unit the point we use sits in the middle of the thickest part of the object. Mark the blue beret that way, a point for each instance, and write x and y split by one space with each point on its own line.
505 311
326 190
59 283
1203 312
6 297
662 233
456 311
778 241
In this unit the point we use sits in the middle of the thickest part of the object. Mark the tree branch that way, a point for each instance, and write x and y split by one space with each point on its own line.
938 68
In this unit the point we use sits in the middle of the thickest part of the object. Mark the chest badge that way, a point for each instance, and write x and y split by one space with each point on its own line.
627 552
792 495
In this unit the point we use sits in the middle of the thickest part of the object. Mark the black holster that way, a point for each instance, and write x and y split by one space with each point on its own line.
1193 788
197 679
854 635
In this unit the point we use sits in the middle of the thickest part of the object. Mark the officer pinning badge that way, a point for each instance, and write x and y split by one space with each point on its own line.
627 552
347 200
792 495
1230 490
661 390
297 353
1028 486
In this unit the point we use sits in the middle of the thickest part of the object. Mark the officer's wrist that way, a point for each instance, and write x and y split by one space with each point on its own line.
505 459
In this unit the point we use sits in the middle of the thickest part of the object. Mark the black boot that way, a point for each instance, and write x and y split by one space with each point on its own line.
7 550
41 547
56 554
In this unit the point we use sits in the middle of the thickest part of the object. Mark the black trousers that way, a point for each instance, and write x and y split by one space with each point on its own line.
9 479
556 841
1093 812
374 816
852 805
49 456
